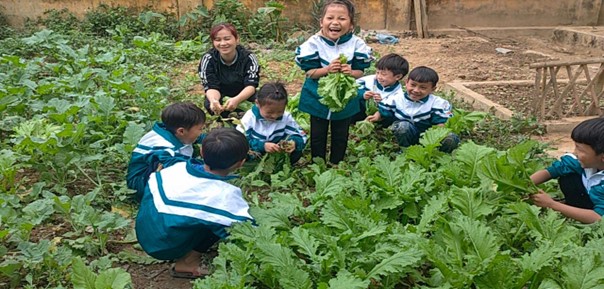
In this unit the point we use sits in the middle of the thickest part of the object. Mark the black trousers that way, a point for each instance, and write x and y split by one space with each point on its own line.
319 128
574 192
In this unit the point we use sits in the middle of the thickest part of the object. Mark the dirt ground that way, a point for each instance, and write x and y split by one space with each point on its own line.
456 58
475 58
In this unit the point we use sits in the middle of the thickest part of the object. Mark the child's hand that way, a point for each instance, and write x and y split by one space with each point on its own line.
346 69
270 147
377 97
370 94
374 117
287 146
542 199
334 66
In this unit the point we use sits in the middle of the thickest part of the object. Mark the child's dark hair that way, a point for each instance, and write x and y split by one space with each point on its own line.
591 133
224 147
347 3
393 62
182 114
271 92
424 74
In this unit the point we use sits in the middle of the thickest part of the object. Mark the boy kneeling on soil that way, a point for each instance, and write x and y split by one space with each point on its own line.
580 175
417 110
187 206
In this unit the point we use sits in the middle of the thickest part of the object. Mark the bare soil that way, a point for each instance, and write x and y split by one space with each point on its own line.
468 58
474 58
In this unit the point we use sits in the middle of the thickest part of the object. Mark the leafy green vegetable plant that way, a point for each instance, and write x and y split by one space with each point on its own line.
337 89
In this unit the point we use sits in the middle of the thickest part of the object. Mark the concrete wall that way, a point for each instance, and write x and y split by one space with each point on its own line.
373 14
509 13
17 11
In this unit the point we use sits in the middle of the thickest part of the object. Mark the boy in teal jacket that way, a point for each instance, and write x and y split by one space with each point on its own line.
169 142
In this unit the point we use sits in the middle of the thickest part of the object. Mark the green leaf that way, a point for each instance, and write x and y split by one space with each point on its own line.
330 183
81 276
398 263
308 244
469 201
433 136
114 278
534 262
482 243
582 270
471 156
275 217
105 103
133 133
345 280
389 171
334 214
285 264
436 207
373 231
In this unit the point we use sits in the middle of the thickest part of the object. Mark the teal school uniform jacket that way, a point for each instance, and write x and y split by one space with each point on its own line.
593 180
258 130
180 200
318 52
159 146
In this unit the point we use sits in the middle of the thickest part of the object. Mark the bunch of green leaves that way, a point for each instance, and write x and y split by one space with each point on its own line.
463 121
337 89
511 170
363 128
371 106
302 118
82 277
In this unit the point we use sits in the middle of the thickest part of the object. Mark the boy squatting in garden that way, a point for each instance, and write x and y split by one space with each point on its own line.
267 124
186 207
319 56
384 84
580 175
170 141
417 110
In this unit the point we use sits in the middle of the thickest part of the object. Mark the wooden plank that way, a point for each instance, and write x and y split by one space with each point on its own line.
562 63
421 18
543 93
537 100
553 79
599 87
